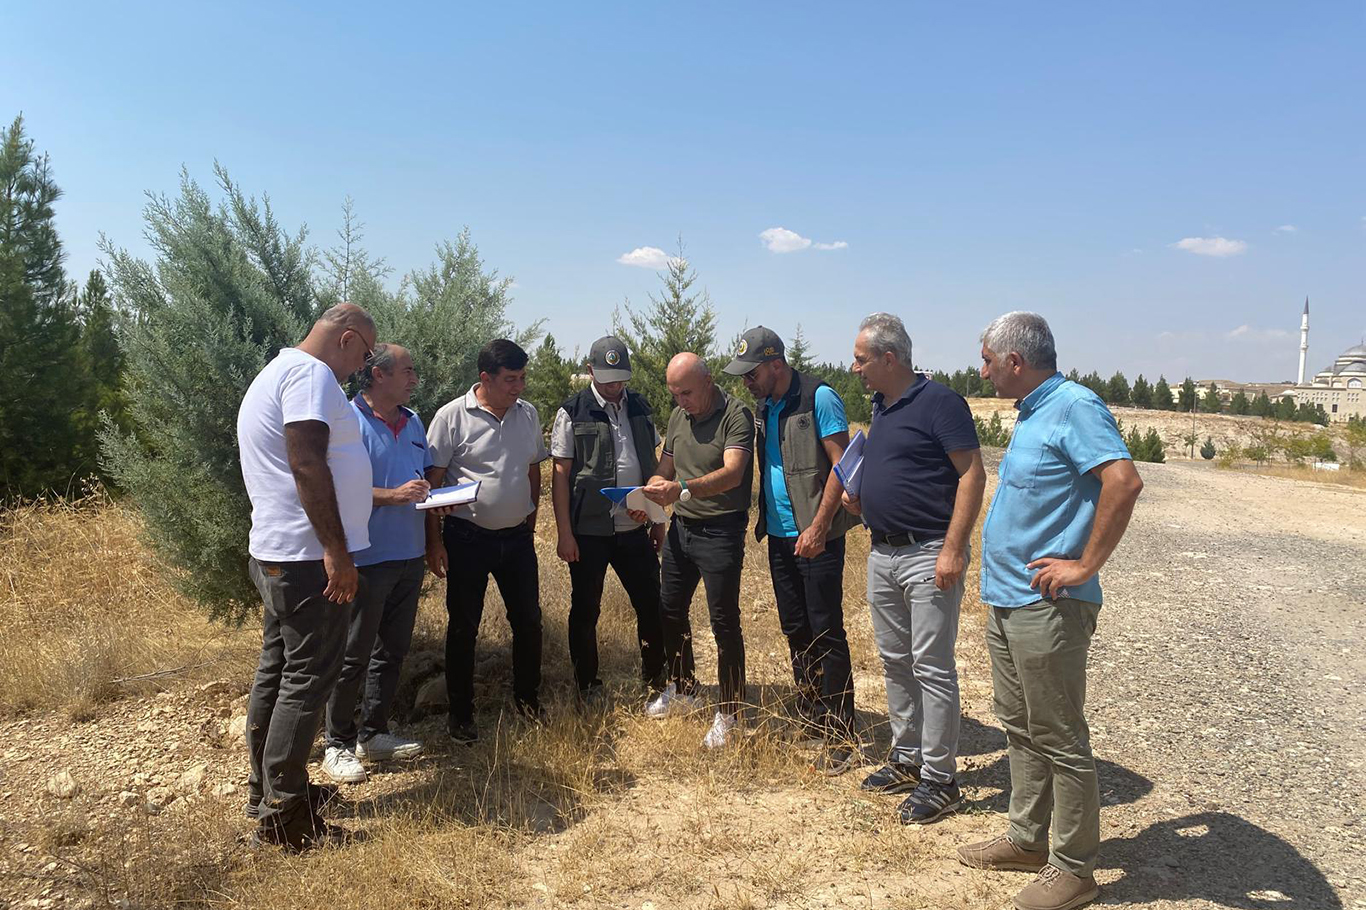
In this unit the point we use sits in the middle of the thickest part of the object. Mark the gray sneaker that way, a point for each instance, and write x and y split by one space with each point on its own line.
342 765
388 747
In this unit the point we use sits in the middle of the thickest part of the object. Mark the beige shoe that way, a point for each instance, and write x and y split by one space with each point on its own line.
1056 889
1001 853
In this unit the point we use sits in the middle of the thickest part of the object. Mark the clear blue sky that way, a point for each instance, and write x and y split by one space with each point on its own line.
1041 156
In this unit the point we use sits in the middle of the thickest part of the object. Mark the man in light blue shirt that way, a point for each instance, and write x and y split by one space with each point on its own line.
801 433
391 570
1067 490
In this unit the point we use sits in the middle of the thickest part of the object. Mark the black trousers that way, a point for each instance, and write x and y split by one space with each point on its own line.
632 556
712 552
303 638
382 618
510 557
810 595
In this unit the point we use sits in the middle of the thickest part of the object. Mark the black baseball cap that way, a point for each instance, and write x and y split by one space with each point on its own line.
758 345
609 360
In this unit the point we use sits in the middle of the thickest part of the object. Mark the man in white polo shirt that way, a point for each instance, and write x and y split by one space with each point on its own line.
490 435
308 477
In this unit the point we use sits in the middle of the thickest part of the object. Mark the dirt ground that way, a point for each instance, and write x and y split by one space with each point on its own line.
1227 707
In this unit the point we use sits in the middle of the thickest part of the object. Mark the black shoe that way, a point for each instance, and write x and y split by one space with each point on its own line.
893 777
301 833
319 795
531 711
465 733
594 698
930 801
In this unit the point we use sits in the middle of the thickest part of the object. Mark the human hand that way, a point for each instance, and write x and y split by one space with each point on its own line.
657 536
567 548
949 568
638 515
342 577
851 504
663 492
1055 574
412 491
811 542
437 560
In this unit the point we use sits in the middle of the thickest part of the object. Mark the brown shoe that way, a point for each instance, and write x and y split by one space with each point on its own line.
1056 889
1000 853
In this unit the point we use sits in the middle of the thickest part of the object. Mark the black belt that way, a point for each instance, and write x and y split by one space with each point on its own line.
896 539
473 528
728 520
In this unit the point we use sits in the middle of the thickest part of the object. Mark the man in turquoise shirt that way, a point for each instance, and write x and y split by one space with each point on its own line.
1067 490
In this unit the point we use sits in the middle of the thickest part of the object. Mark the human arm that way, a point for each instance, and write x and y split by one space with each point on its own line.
568 547
972 484
437 559
1120 487
533 476
414 490
811 542
306 449
664 490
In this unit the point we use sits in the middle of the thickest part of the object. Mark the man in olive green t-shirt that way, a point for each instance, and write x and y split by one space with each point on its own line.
706 471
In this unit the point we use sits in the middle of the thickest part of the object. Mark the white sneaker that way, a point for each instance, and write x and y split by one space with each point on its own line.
342 766
722 731
388 747
670 701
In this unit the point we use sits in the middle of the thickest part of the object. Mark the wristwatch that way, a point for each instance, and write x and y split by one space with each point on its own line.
684 494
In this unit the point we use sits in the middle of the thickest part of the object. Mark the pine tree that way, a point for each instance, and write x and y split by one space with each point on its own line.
858 405
1285 408
1210 402
46 423
1074 376
549 380
679 320
798 352
1142 394
1154 449
1239 404
1186 403
1262 406
1207 450
1162 395
1117 390
1093 382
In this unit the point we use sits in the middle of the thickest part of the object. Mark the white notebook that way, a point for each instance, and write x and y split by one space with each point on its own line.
458 495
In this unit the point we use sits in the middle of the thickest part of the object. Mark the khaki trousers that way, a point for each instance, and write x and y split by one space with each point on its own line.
1038 671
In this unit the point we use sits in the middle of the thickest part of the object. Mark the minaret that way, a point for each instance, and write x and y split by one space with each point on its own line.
1304 338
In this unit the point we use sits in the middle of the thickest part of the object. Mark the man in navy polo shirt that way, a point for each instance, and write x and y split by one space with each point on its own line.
922 489
1067 490
391 571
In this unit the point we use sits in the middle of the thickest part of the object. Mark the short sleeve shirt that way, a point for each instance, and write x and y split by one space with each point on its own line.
909 483
830 419
472 444
1045 502
293 388
629 470
398 454
698 447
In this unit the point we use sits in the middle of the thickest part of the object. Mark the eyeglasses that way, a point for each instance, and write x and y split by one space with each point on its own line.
369 349
752 374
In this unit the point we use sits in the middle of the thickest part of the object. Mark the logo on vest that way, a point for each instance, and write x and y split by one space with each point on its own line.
612 357
743 348
804 422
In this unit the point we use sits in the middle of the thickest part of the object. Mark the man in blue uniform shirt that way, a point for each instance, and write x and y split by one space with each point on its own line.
391 571
1067 490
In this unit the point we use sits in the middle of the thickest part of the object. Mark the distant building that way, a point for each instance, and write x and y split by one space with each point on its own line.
1339 386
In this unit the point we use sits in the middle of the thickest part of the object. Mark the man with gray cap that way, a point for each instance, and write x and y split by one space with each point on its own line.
604 437
801 432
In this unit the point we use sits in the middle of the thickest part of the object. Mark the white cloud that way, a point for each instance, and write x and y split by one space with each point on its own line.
1248 333
781 240
1211 246
646 257
1286 229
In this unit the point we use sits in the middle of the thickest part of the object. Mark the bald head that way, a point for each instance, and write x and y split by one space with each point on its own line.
690 383
341 338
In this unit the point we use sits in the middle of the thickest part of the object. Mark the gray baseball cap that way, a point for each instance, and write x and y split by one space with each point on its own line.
609 360
758 345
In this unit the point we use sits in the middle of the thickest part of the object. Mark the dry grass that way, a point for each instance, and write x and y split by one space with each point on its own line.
1342 477
607 811
85 609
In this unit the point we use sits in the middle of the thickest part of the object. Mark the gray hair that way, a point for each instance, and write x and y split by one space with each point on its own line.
887 333
1023 333
385 359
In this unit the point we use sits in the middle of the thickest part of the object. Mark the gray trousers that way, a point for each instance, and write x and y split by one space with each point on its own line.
1038 673
382 619
303 635
916 625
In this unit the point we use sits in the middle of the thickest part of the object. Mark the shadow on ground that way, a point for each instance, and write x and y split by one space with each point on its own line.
1217 857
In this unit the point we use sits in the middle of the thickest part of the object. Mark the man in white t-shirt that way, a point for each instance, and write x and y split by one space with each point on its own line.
308 476
490 435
